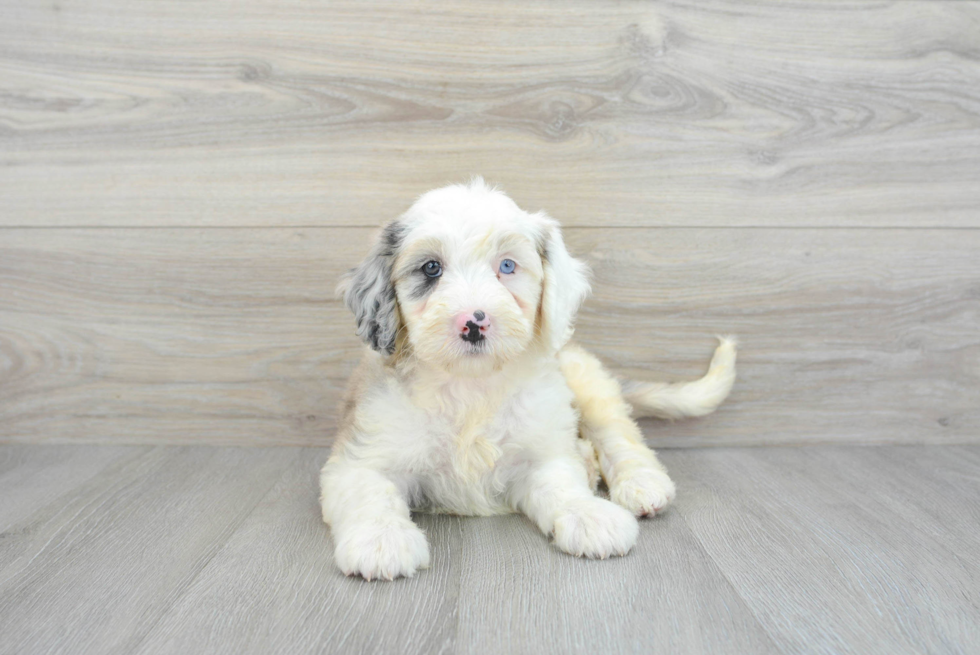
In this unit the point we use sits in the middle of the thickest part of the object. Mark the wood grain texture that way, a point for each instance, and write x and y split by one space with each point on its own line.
518 594
234 336
32 477
767 550
306 121
95 573
255 113
273 588
835 553
870 335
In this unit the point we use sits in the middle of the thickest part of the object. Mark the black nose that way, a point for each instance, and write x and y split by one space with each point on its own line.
478 315
472 334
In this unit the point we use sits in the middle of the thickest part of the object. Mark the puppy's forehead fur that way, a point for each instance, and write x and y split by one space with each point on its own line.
468 214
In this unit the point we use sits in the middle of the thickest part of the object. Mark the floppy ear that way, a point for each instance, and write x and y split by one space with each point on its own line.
370 293
565 286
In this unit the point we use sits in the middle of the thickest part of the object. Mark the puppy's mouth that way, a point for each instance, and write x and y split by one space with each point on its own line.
480 347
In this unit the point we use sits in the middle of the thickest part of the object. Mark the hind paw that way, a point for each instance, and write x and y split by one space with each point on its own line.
644 492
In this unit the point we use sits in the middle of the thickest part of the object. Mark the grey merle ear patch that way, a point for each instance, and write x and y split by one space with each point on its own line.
370 293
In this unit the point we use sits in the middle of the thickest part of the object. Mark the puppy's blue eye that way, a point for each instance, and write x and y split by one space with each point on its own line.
507 266
432 269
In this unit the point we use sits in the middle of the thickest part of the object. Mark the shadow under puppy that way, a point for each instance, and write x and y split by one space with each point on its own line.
472 400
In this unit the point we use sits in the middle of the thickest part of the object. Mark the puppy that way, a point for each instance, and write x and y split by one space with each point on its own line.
472 400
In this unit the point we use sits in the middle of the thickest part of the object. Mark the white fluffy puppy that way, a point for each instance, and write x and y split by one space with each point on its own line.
472 400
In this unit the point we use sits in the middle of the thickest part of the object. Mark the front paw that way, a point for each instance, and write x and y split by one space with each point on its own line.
643 491
594 527
382 548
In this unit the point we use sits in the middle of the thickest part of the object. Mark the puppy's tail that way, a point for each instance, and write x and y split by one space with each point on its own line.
686 399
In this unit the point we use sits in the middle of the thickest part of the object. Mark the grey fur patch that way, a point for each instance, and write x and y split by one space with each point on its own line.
423 285
370 292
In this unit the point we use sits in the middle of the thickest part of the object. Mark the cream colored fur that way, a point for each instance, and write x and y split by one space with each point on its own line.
523 421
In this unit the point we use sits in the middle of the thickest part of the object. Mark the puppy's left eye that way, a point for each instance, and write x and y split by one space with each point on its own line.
507 266
432 269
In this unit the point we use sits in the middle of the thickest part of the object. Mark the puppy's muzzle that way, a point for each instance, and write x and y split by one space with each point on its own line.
473 326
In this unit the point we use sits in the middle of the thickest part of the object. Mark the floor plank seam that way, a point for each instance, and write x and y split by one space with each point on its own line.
232 530
569 226
459 588
731 585
78 485
13 572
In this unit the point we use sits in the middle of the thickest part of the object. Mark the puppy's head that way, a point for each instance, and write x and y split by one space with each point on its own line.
467 281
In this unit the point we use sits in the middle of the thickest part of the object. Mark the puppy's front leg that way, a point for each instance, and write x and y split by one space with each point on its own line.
372 527
557 497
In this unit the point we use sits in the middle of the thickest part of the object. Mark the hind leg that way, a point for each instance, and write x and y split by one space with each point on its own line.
635 477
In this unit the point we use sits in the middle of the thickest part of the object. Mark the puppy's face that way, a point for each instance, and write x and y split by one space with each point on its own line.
468 281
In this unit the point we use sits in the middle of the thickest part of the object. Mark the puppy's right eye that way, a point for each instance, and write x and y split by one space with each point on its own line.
432 269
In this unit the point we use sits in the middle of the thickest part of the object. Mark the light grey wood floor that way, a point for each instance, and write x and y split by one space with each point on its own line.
822 549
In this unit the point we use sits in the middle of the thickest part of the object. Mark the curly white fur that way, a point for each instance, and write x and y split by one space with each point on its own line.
514 419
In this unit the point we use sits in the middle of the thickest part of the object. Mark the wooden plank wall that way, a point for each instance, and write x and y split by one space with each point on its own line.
181 184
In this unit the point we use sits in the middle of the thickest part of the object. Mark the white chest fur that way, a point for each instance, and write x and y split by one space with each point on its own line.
456 445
